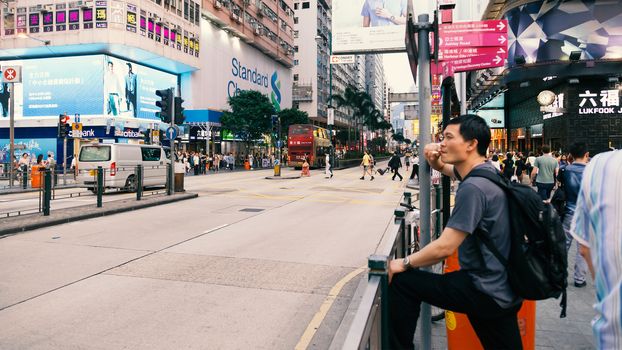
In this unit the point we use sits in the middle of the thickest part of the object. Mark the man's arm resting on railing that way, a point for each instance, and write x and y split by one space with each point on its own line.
438 250
432 153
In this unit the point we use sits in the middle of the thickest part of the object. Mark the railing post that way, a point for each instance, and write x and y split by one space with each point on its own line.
100 185
139 182
379 266
402 247
171 179
25 176
47 192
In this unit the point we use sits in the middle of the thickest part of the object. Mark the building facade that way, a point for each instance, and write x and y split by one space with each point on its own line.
101 62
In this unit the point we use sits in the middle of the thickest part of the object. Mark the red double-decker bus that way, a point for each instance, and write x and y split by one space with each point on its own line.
307 141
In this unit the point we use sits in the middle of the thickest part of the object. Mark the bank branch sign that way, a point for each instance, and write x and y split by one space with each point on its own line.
602 102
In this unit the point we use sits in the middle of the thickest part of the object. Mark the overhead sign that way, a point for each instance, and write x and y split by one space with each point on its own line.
12 74
494 26
473 39
451 54
342 59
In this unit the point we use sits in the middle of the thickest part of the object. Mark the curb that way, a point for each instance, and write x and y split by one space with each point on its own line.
283 177
99 213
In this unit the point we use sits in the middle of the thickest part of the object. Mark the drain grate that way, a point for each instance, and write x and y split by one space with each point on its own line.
252 210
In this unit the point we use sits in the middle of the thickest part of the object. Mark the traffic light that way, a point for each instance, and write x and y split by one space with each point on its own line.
275 124
62 126
179 111
165 104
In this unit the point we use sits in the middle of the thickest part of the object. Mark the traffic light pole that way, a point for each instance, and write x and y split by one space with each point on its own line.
65 160
171 188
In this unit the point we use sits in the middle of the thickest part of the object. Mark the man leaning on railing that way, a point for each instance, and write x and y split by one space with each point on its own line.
480 289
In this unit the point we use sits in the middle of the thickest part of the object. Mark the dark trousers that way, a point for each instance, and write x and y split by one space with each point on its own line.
396 172
497 328
544 190
415 171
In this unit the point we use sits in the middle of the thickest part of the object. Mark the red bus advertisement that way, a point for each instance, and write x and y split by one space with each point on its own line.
307 141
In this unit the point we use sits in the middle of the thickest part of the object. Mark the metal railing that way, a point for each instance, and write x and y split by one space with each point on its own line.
89 183
370 325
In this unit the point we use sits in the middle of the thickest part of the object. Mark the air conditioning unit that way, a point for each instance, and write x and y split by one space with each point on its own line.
258 31
86 4
10 11
48 8
217 4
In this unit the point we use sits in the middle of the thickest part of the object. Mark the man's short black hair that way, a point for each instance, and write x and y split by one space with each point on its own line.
473 127
578 149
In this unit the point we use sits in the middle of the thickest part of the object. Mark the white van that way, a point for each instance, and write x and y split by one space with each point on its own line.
119 161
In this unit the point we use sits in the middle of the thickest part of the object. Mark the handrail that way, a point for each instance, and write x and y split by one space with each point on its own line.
369 328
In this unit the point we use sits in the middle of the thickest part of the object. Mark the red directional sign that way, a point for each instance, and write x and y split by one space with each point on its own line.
451 54
494 26
471 63
473 39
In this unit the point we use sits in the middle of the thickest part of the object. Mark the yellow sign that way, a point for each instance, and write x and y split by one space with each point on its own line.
76 127
450 320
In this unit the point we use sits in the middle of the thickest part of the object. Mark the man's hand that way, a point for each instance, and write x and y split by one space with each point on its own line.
395 266
432 153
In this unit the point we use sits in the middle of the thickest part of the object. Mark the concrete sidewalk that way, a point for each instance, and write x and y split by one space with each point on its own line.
23 223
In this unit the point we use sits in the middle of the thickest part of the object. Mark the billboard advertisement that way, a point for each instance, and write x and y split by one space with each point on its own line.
33 147
368 26
129 88
550 30
95 85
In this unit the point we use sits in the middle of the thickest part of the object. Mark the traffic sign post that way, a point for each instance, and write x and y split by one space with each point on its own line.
11 75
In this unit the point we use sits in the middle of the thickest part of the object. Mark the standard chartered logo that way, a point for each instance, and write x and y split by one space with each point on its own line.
275 96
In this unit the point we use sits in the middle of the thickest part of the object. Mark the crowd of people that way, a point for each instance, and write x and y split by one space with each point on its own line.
200 163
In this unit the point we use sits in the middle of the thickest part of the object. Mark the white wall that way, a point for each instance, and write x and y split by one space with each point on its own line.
307 53
214 82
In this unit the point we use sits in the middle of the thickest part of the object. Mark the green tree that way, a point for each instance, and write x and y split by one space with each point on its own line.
250 116
360 103
399 138
378 143
291 116
407 141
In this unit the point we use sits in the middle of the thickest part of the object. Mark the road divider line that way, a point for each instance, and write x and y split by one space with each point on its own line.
215 228
319 316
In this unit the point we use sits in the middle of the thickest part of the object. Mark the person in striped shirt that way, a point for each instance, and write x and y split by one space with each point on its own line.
597 226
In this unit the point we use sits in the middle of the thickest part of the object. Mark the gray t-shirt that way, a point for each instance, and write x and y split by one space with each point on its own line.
480 204
546 165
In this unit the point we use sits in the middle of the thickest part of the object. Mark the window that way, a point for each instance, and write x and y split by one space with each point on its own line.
95 154
295 79
305 5
296 62
296 6
296 48
295 33
151 154
295 20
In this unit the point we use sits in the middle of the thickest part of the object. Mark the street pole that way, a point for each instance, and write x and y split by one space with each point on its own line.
446 181
65 160
330 98
12 133
423 27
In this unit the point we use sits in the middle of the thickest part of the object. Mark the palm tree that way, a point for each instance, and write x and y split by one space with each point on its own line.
361 104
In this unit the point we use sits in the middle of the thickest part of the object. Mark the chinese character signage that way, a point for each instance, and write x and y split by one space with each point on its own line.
600 102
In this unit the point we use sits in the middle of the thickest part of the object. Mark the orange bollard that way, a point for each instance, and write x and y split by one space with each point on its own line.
460 333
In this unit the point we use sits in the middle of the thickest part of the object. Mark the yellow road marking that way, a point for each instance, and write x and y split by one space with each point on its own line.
315 323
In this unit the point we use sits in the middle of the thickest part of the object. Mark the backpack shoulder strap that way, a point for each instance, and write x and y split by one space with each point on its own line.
481 235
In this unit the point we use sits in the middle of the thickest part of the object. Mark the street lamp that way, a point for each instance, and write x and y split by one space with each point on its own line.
26 36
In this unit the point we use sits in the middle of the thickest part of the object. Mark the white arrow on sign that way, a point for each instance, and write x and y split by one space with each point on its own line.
501 51
501 25
502 39
171 133
497 60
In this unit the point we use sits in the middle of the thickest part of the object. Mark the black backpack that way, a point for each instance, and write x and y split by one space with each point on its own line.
537 266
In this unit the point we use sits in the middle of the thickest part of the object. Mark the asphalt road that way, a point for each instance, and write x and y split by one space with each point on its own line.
247 265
